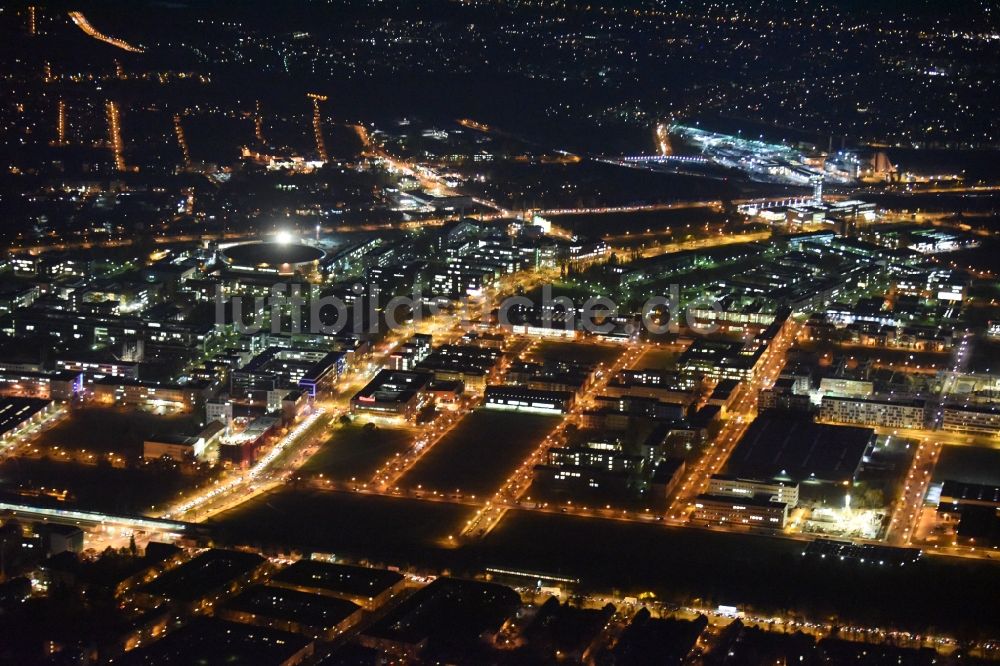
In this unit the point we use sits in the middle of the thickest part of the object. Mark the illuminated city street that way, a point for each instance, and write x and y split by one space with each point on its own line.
490 332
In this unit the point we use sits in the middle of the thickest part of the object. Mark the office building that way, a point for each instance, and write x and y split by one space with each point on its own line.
973 419
393 394
778 491
730 510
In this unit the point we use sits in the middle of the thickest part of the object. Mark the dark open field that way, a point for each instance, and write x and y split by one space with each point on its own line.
355 452
679 221
597 499
480 452
114 429
581 352
96 487
361 525
657 359
680 565
770 574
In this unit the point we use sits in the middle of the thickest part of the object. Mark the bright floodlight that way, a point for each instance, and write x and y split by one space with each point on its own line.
284 237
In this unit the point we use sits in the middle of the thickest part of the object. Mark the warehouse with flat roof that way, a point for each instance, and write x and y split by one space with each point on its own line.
799 450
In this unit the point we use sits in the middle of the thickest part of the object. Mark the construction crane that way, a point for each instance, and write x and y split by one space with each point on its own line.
318 124
115 134
258 125
181 141
61 124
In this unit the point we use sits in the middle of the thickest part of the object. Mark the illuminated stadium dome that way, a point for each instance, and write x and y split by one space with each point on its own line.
284 258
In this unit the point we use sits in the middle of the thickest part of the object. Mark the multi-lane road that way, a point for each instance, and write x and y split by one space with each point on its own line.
741 415
907 508
509 494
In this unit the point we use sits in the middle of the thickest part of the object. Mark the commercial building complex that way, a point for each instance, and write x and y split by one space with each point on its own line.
729 510
55 385
786 493
394 394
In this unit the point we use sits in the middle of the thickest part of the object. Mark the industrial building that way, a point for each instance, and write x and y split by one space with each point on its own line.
666 476
242 448
594 466
407 355
183 448
17 414
721 359
973 509
799 450
551 375
662 384
528 399
471 365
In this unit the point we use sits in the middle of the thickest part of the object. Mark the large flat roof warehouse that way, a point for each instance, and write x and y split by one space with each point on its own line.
958 492
799 450
968 464
15 411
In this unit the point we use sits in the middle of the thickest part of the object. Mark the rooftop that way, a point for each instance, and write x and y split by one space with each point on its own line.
15 411
211 641
393 386
799 450
203 574
271 254
338 578
311 610
449 610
